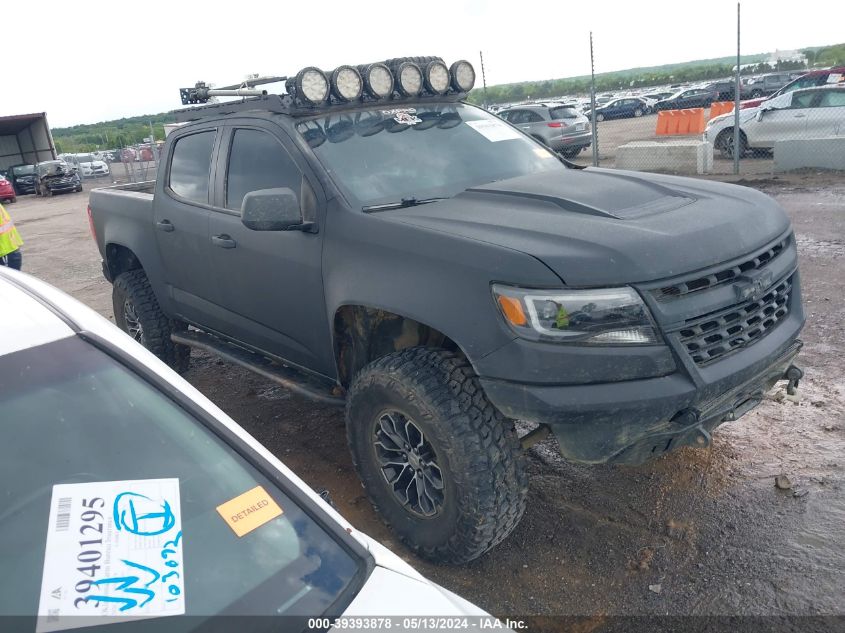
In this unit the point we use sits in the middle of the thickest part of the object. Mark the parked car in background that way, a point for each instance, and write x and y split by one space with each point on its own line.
761 85
622 108
7 191
560 127
657 96
88 165
22 178
828 76
145 153
725 90
688 98
85 408
801 114
56 176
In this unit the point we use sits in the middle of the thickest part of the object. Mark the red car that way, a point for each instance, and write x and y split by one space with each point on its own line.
808 80
7 191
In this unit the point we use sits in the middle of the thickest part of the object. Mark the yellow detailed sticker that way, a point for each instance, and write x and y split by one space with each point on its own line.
543 153
249 511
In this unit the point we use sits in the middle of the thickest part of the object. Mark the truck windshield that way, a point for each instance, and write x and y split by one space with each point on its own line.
431 151
72 415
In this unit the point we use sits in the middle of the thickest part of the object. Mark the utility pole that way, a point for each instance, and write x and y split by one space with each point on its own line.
737 84
483 79
153 143
593 105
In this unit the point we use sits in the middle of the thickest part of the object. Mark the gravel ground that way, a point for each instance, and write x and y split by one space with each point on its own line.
697 532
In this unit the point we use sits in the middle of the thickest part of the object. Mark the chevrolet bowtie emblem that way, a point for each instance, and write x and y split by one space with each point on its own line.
750 287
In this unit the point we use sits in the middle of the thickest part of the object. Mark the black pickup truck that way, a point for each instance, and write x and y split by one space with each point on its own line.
385 246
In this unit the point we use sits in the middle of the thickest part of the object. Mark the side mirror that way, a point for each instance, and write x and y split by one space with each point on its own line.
759 116
273 210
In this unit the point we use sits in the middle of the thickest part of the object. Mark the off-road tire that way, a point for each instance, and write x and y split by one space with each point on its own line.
133 286
484 478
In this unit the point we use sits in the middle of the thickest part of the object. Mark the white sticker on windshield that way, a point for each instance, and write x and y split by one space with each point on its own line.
114 553
494 130
835 78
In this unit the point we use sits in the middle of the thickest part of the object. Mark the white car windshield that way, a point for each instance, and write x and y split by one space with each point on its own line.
88 418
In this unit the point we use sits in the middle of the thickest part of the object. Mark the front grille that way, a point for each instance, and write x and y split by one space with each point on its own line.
722 276
712 336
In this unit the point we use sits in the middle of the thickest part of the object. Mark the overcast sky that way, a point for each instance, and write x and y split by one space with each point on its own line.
113 59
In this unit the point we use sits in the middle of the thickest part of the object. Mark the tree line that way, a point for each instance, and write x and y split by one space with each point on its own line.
690 72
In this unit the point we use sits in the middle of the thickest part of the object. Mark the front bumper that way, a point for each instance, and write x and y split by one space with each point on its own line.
625 405
572 141
633 421
64 187
23 188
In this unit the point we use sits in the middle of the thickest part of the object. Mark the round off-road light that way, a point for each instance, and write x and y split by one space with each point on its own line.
347 84
436 78
378 82
409 79
463 76
312 85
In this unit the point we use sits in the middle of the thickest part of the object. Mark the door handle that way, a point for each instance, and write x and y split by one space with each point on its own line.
166 226
800 116
223 241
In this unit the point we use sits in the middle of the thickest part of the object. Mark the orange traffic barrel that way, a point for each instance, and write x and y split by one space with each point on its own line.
662 123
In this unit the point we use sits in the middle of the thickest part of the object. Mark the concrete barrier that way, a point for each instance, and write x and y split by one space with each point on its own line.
818 153
681 156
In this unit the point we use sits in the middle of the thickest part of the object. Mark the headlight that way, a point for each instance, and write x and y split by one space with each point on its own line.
409 79
463 76
312 86
378 81
347 84
612 316
437 78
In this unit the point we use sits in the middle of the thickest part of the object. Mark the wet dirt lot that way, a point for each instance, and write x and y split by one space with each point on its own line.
697 532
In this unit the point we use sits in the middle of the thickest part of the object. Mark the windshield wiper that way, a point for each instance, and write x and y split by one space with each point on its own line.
404 202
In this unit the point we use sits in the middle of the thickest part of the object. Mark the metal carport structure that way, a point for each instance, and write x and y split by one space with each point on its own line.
25 138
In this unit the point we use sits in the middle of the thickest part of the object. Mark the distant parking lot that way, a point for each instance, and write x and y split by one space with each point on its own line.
616 132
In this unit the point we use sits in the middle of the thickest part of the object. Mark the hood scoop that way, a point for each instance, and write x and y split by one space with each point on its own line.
590 193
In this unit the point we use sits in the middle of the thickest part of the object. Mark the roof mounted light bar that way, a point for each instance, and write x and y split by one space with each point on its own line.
312 88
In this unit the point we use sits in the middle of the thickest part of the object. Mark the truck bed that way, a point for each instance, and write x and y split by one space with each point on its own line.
148 186
124 211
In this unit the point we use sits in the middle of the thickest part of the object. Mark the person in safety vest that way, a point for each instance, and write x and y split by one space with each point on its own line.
10 241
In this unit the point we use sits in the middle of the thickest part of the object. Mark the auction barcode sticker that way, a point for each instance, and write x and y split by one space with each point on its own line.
114 553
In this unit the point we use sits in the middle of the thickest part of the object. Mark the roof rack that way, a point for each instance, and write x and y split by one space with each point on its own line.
394 82
270 103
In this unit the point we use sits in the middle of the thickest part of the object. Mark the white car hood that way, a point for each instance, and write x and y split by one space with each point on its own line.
388 593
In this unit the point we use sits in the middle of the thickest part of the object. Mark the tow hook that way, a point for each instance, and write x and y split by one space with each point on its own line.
793 374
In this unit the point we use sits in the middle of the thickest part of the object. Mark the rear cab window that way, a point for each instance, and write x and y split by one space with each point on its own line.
190 166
